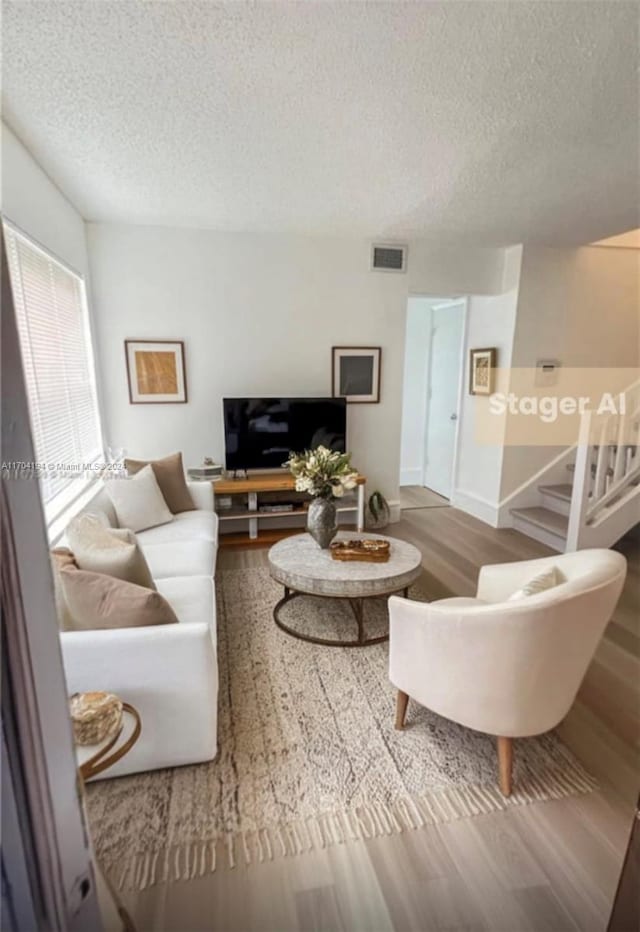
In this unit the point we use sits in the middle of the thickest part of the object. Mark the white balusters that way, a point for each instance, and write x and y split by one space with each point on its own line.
620 449
607 467
602 464
582 483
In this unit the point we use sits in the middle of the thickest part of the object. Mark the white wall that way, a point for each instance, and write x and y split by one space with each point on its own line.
414 390
581 306
453 271
477 480
32 201
259 315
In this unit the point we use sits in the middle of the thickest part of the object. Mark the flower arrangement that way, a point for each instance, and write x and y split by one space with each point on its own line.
323 473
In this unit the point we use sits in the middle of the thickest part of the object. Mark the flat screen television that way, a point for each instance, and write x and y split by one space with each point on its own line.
260 433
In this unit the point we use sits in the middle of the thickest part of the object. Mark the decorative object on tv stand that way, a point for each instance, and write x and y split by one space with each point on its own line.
156 371
210 471
326 475
355 373
482 369
378 513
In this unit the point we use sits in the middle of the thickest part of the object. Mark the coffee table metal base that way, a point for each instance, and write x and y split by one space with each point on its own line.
357 607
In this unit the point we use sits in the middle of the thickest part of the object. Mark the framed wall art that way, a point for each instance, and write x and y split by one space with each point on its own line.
156 372
355 373
482 369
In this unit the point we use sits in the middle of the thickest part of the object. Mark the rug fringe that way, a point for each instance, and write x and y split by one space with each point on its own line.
313 833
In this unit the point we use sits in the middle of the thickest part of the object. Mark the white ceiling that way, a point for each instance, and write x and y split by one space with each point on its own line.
497 122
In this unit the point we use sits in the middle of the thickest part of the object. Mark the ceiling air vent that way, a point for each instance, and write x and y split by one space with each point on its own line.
388 258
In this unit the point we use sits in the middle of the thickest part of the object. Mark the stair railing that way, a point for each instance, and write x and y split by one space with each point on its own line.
606 468
582 480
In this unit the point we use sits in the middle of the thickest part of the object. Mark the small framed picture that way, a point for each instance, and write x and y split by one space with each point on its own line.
482 367
355 373
156 372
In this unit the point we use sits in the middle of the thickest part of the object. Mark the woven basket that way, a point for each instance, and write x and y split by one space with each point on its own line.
95 716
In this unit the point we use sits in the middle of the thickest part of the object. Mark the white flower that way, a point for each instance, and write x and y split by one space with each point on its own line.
322 470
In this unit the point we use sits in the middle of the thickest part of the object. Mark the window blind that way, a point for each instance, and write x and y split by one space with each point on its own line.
53 326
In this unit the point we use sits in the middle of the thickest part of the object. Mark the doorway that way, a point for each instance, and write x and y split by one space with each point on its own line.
431 397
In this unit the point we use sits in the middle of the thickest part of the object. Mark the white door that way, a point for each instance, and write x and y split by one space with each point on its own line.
442 402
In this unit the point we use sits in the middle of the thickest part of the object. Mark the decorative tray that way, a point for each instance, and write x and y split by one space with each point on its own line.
371 551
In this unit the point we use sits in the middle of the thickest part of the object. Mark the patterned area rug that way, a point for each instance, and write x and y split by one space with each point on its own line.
309 756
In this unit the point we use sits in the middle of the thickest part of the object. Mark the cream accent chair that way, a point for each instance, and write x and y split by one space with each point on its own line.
510 669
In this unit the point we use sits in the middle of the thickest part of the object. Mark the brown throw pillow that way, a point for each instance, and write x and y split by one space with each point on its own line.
96 601
169 473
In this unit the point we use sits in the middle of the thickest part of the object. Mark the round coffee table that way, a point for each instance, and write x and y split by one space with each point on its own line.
303 568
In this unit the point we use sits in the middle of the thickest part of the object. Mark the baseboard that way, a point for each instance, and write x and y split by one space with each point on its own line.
477 506
411 476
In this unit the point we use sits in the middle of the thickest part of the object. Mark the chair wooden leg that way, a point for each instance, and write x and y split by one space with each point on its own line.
505 763
401 709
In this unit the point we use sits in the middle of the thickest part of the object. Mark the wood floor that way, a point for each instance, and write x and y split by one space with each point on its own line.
549 866
416 496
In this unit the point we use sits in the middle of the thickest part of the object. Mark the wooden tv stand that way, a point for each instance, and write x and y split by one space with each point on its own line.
252 487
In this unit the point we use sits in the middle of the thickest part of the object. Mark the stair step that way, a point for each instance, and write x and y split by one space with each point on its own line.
549 521
563 492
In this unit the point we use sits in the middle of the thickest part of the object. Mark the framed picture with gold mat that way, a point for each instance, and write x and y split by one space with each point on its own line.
156 371
482 370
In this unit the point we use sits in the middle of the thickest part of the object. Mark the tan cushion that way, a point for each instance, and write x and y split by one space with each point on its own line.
113 551
170 475
98 601
61 557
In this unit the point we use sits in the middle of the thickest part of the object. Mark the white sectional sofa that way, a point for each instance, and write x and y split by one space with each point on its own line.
169 672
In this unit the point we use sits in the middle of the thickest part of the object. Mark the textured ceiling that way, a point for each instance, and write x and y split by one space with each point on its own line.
496 122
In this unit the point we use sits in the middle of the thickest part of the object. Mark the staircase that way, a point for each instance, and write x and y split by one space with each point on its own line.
600 499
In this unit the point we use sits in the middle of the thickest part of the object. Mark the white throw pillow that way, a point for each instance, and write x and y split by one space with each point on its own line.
547 579
111 551
138 501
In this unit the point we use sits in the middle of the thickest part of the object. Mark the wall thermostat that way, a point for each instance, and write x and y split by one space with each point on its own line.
547 371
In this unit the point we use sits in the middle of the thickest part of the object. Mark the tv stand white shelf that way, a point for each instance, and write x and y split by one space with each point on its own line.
251 488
